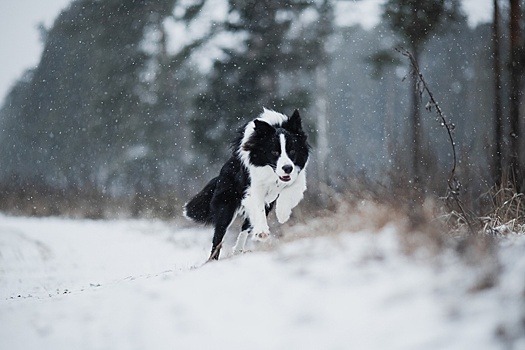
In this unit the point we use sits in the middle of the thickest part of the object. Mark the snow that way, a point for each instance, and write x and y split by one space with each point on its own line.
128 284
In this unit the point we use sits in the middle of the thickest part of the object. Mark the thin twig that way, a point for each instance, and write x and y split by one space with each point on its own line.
454 185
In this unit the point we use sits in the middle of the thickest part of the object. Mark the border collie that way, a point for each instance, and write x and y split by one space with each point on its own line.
267 168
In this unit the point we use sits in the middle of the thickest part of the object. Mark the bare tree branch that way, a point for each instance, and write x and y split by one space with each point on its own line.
454 185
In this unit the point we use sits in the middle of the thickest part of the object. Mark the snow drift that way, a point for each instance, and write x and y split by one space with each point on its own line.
78 284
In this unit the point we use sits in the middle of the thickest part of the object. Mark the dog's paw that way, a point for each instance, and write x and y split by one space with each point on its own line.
239 252
261 236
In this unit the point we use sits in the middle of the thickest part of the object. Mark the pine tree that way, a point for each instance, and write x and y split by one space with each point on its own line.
265 71
416 21
99 107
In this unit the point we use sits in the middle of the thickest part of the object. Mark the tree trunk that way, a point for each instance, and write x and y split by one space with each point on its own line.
390 113
515 94
322 129
415 116
497 166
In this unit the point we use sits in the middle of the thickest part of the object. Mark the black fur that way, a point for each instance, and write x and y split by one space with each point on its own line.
218 202
221 198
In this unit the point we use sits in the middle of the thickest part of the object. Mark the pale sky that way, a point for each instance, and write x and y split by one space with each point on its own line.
367 12
21 47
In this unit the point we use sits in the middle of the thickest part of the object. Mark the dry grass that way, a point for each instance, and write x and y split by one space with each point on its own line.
507 212
347 217
418 225
37 199
425 228
422 222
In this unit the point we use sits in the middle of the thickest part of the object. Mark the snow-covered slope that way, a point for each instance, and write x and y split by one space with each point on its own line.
67 284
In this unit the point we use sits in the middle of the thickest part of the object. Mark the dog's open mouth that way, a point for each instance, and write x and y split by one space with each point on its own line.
285 178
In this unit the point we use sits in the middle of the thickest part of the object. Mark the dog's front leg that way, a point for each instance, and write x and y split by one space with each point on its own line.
290 197
241 239
255 210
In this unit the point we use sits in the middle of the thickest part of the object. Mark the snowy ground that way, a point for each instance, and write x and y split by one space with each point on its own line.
77 284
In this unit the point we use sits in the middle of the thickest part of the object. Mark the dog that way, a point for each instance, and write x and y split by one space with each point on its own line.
266 169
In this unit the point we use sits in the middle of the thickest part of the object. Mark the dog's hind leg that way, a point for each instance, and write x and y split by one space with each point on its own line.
223 219
241 239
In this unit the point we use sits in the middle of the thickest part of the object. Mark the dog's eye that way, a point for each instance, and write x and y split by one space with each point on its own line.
275 153
292 152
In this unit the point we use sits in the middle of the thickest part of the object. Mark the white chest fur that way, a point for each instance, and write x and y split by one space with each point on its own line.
265 188
266 183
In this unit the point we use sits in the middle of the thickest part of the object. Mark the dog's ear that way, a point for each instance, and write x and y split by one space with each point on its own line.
293 124
263 128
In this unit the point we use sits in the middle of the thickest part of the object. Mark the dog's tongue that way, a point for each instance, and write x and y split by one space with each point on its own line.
285 178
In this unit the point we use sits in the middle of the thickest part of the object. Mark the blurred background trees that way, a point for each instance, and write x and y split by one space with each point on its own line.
133 104
282 43
416 22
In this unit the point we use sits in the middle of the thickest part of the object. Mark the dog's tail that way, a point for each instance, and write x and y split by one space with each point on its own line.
198 208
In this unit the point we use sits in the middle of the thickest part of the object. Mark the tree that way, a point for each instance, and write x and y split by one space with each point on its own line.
325 24
384 64
416 21
516 71
275 50
102 106
497 161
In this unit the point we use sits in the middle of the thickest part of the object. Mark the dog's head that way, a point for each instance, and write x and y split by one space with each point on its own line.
283 147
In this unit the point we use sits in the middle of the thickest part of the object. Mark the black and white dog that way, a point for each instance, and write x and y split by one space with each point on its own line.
267 168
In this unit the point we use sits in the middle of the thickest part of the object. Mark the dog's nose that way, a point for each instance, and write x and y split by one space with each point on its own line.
287 168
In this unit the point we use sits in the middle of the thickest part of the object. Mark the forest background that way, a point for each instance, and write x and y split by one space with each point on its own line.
132 105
